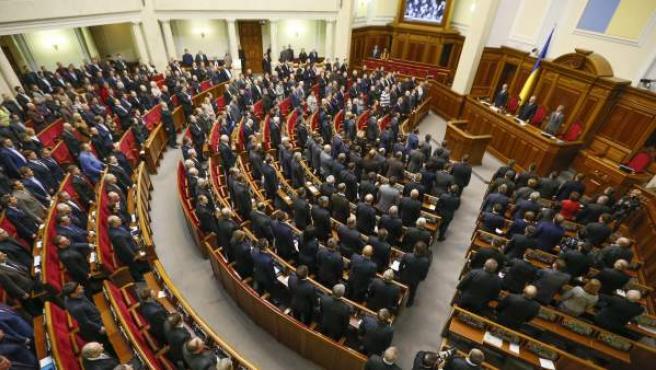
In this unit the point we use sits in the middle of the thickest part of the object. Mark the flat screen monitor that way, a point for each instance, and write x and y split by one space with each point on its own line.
425 11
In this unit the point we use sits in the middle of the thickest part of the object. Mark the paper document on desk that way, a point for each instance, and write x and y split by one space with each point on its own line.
161 294
492 339
395 265
514 348
547 364
355 322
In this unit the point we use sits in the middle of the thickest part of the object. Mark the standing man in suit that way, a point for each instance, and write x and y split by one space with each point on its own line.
187 58
126 248
618 311
413 269
176 336
479 287
363 269
473 361
263 267
549 233
169 126
335 313
86 314
94 357
502 97
321 219
555 120
383 293
365 215
515 309
303 295
154 313
410 208
198 356
385 362
447 205
376 333
527 111
330 264
550 281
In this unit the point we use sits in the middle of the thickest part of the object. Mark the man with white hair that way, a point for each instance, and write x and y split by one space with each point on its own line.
386 362
516 309
227 156
383 292
618 311
326 161
328 188
335 313
365 214
94 357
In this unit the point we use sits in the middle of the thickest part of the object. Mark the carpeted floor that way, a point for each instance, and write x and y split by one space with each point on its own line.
418 327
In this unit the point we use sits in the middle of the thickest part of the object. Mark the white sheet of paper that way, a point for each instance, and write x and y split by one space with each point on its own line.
499 231
284 280
276 269
547 364
620 293
161 294
492 339
296 244
395 265
93 257
514 348
37 261
355 322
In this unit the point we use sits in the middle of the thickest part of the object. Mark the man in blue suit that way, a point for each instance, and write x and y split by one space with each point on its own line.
11 158
25 224
187 58
36 187
283 236
73 232
549 233
91 166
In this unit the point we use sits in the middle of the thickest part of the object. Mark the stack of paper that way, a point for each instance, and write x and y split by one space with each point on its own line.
547 364
492 339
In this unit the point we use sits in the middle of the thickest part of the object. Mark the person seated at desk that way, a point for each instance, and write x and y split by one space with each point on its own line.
527 110
641 161
502 97
555 120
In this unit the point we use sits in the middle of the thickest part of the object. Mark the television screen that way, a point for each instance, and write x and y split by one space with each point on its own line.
429 11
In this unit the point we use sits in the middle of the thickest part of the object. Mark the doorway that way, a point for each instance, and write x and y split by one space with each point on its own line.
250 39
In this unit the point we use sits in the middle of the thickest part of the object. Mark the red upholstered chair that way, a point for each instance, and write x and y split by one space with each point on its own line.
573 132
266 134
220 103
512 105
538 117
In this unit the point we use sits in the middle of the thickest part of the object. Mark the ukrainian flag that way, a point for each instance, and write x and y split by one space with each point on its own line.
530 81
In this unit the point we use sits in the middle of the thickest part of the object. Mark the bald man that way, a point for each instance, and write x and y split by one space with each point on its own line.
385 362
517 309
473 361
618 311
363 270
479 287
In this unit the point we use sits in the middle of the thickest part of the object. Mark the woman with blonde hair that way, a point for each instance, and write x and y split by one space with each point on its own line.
580 299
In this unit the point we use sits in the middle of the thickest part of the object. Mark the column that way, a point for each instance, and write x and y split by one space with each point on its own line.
342 33
234 45
273 40
477 36
330 45
89 42
142 50
152 36
168 39
8 77
83 45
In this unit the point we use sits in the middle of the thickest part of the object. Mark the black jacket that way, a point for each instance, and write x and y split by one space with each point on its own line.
478 288
335 315
515 309
382 295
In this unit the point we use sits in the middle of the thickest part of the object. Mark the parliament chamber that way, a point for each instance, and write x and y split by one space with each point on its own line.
348 184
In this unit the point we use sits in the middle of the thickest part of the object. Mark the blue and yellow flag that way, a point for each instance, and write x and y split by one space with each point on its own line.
530 81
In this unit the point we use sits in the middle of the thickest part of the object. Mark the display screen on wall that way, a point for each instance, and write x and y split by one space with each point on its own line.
425 11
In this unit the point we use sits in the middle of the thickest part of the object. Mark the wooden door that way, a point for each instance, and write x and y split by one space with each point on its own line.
250 38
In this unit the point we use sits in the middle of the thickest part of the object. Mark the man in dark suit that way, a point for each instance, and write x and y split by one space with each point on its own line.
11 159
473 361
376 333
515 309
94 357
383 293
228 158
519 243
570 186
502 97
198 356
335 313
81 186
479 287
527 111
270 182
577 260
283 236
612 279
321 219
176 336
126 248
86 314
205 214
596 233
491 221
618 311
330 264
264 273
365 214
393 224
549 233
301 209
382 249
550 281
242 197
225 227
462 172
74 258
447 205
15 250
518 273
350 240
303 295
416 234
261 222
363 269
187 58
410 208
154 313
385 362
169 126
340 206
26 225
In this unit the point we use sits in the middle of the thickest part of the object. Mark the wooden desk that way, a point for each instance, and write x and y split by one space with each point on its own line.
462 142
512 140
602 172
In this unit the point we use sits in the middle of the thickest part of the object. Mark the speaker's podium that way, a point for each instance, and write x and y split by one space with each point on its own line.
462 142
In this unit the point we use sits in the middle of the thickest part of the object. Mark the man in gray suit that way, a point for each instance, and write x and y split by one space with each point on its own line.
388 195
555 120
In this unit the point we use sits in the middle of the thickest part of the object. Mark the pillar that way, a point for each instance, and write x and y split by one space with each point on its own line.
142 50
8 77
330 36
168 39
234 45
472 49
152 36
342 33
89 42
273 40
